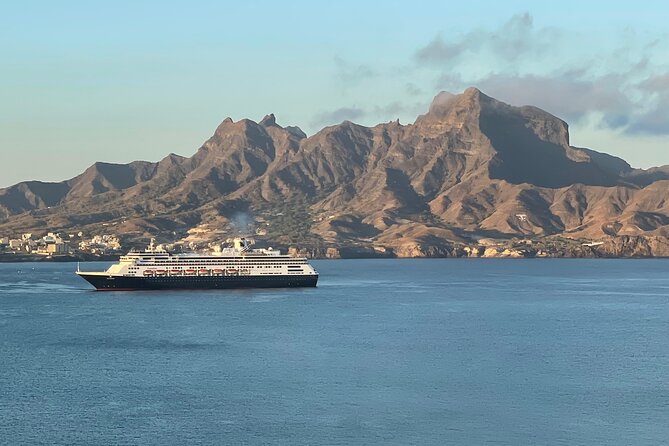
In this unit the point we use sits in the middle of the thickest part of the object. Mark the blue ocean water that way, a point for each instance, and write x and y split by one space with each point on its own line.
392 352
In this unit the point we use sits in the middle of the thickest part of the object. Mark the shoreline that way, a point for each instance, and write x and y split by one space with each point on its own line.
70 258
13 258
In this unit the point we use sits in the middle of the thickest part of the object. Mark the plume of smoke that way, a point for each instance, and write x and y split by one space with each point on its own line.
242 222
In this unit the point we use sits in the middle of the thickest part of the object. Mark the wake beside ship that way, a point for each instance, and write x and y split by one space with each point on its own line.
236 267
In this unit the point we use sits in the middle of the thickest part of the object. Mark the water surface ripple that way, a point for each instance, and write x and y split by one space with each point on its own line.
392 352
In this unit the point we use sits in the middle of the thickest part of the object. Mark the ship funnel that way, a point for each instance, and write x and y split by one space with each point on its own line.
242 244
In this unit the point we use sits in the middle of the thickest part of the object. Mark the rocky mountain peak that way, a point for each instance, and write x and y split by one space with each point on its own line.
449 112
442 102
225 126
296 131
445 102
269 121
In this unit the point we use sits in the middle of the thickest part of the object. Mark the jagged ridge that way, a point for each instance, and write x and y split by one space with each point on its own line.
470 167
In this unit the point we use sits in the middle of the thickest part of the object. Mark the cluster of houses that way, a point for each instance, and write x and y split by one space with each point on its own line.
60 244
101 244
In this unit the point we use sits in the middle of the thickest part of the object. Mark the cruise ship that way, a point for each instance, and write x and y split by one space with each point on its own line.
236 267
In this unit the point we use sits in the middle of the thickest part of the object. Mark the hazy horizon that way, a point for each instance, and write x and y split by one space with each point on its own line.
116 83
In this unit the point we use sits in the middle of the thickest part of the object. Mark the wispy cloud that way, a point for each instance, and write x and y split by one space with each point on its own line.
656 119
350 74
516 38
622 88
568 97
413 90
389 112
618 100
338 115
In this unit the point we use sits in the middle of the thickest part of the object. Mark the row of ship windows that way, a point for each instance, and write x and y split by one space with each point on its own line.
229 260
134 268
200 279
216 259
216 263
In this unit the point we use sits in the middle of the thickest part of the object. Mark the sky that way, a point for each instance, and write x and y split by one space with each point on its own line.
84 81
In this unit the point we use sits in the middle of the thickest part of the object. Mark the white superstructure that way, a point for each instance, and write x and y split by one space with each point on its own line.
237 261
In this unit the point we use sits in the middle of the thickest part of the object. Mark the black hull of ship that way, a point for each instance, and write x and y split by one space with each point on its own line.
125 283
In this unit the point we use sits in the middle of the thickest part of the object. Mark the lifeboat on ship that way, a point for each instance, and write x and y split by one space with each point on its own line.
232 272
149 273
189 272
176 272
161 272
217 272
203 272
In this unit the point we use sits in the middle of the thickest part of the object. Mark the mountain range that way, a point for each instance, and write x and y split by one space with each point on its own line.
471 168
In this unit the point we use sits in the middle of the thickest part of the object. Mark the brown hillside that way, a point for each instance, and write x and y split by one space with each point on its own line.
471 167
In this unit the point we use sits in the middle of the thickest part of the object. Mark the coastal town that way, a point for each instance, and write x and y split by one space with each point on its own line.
59 245
77 246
